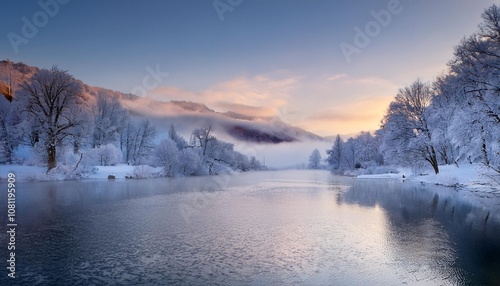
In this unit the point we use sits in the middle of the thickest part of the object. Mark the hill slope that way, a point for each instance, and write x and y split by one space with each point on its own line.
185 115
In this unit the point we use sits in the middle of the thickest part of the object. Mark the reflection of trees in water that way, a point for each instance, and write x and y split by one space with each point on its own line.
411 204
437 222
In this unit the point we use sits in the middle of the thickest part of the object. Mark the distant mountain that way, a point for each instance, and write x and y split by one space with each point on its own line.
192 106
13 74
235 125
185 115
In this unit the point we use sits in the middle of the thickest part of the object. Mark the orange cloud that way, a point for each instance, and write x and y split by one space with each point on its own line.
259 94
326 105
352 117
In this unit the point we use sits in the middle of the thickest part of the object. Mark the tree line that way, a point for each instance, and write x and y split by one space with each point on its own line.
453 120
55 116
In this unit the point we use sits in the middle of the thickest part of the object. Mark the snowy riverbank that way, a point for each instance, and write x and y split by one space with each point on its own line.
473 177
121 171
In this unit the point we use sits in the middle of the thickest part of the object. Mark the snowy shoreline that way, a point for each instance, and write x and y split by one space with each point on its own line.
473 178
38 174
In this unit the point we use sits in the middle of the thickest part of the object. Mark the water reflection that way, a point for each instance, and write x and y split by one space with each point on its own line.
423 219
270 228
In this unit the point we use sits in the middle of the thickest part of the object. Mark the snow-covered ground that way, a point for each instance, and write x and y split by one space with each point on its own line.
23 173
474 177
33 173
122 170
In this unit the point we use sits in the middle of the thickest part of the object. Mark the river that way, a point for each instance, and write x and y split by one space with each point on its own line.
258 228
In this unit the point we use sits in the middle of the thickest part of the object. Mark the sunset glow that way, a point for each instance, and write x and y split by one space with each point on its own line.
248 60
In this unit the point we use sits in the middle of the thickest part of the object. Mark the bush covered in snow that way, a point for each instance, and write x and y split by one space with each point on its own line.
143 172
107 155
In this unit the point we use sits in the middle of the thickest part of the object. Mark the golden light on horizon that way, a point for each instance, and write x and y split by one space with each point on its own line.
350 118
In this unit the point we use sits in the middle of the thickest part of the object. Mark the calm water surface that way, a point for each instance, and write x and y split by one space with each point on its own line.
264 228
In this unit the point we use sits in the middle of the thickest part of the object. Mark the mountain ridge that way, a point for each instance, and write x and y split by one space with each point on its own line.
187 114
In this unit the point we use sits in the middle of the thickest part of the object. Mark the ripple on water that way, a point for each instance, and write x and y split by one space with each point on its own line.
268 232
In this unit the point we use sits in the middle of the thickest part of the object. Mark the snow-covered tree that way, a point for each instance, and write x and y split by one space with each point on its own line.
138 140
314 160
442 113
351 152
335 155
217 155
180 142
105 155
109 117
192 162
167 156
255 164
476 66
52 97
368 146
7 138
407 133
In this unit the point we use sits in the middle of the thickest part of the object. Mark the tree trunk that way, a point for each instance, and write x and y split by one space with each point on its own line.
433 160
51 157
51 150
76 147
7 145
435 167
483 148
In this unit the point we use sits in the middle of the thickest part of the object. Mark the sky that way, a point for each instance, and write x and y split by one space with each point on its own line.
330 67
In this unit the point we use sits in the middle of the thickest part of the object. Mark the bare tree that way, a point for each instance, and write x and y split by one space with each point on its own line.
138 140
110 118
167 155
407 134
7 110
52 97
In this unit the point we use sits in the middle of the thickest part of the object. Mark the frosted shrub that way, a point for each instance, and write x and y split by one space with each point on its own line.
34 156
107 155
142 172
166 155
68 157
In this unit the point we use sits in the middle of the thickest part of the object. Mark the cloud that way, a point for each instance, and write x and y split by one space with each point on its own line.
370 81
261 94
325 105
258 111
344 117
347 118
340 103
336 77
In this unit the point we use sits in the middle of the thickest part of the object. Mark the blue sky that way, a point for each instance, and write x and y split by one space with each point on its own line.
264 57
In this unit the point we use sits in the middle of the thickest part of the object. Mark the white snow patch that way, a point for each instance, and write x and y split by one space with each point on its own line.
381 176
451 175
24 173
120 171
33 173
472 177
